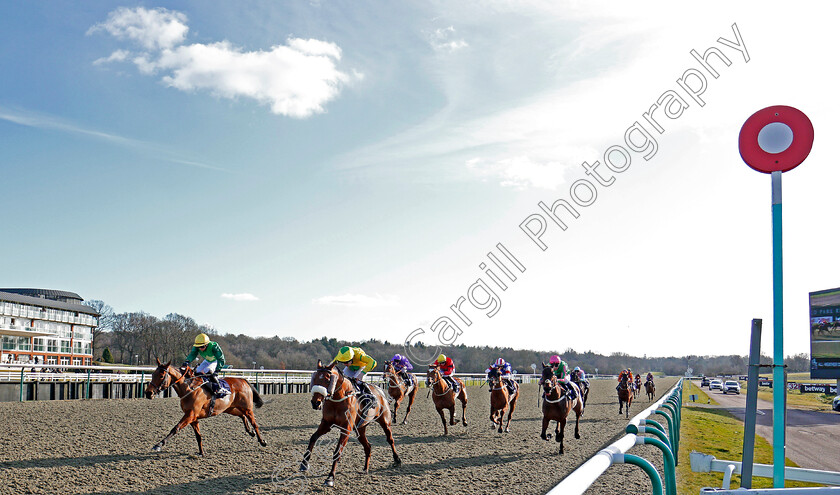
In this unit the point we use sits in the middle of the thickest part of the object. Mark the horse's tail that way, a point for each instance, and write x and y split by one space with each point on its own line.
258 402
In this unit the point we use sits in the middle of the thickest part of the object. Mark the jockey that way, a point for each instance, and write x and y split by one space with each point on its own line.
580 375
504 373
447 369
561 371
214 360
649 377
402 366
621 377
356 364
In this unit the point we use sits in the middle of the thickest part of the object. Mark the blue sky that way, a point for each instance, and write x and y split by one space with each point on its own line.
342 168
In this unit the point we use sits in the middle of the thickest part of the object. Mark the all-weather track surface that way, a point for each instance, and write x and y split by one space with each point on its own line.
104 447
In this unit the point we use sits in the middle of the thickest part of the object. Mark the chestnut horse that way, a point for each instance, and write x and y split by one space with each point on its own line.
342 408
500 398
557 405
650 388
625 395
196 401
444 396
398 390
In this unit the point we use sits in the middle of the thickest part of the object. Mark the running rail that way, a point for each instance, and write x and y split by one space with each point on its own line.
704 463
616 453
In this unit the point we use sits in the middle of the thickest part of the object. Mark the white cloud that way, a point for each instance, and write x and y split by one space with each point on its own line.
359 300
153 29
441 40
244 296
520 172
295 79
117 56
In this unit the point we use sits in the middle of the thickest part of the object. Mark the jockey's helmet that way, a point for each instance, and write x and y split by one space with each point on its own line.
555 359
201 340
500 362
345 354
441 358
396 358
577 368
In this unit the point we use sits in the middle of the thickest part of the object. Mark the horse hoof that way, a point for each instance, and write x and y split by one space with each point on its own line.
303 467
156 448
577 436
397 461
263 443
507 430
558 440
561 452
329 482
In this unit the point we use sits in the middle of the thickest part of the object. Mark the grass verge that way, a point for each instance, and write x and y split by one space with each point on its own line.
717 432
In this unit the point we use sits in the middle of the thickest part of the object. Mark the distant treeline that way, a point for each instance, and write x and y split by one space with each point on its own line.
139 338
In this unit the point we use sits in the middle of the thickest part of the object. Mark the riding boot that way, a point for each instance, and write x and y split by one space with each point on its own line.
216 387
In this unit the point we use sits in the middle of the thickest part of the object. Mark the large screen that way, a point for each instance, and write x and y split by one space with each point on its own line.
825 333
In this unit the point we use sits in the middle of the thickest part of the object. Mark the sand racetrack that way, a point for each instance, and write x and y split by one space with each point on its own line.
104 446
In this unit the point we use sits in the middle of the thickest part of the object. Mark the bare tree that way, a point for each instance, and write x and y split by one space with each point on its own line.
106 320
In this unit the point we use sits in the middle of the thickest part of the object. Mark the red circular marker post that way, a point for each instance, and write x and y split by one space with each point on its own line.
775 140
757 157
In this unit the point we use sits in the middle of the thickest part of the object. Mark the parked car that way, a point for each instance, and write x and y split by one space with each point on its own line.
731 386
835 404
715 385
704 382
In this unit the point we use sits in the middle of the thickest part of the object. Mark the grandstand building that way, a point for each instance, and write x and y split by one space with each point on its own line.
44 326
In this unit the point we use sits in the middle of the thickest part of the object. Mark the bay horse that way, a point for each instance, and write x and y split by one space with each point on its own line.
582 385
342 408
443 396
637 386
398 390
500 399
625 395
196 401
650 388
557 405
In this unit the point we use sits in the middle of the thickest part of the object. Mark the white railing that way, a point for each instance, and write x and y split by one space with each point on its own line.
704 463
584 476
11 372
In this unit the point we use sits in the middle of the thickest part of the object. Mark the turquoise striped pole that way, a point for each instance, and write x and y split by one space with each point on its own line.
778 338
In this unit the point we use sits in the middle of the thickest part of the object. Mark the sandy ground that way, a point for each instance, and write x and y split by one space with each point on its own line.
104 447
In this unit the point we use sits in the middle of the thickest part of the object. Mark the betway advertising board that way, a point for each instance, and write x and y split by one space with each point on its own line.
825 333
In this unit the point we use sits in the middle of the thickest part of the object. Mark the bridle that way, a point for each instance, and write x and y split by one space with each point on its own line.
436 371
166 377
393 380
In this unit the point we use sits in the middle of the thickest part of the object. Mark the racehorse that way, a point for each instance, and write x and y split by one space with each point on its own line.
557 405
637 386
582 385
342 408
197 401
444 396
500 398
625 395
650 388
398 390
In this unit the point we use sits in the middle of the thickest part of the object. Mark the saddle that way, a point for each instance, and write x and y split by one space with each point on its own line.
223 391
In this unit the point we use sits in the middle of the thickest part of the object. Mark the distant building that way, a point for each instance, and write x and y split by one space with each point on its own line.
46 327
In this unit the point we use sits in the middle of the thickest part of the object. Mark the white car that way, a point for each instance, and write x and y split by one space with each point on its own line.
835 404
715 384
731 386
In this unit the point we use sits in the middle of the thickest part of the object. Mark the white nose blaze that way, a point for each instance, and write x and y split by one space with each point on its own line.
319 389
